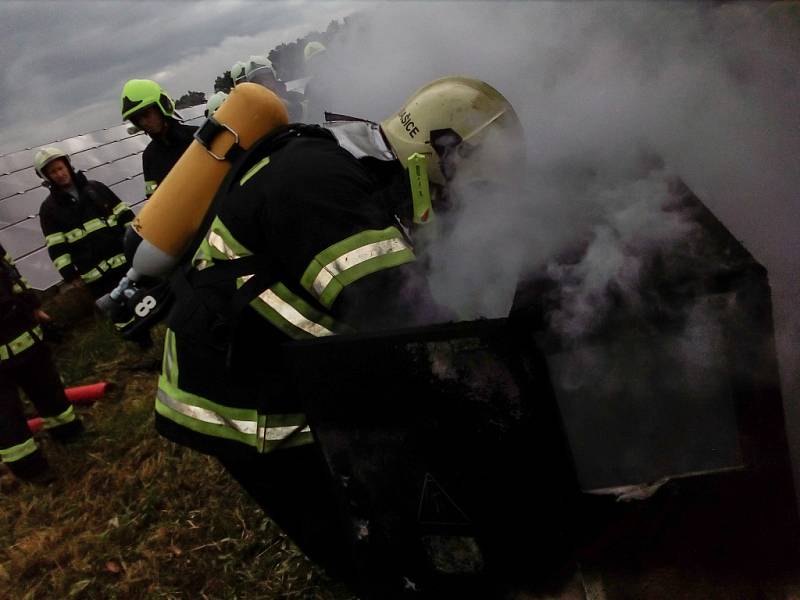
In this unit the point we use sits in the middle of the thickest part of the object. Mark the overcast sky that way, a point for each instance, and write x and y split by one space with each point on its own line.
65 62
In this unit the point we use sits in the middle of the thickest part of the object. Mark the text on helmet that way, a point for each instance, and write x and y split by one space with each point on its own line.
408 123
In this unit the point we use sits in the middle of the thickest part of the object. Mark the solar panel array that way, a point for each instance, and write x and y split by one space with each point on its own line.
111 156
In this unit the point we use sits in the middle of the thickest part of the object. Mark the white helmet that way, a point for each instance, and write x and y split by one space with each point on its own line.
312 49
45 156
256 63
237 72
215 102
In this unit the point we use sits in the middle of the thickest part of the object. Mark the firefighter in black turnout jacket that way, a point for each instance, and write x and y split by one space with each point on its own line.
307 238
26 362
83 222
150 109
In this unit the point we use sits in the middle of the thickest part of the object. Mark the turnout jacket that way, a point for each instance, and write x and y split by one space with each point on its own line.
19 329
161 154
308 246
84 235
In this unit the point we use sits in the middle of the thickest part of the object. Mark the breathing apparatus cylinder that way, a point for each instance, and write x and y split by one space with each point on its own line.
170 218
173 214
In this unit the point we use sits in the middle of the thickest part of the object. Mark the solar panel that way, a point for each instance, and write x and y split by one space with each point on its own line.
110 155
21 206
130 191
38 269
109 152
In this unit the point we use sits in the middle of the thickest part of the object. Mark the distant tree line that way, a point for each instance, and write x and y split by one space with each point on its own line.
190 99
287 59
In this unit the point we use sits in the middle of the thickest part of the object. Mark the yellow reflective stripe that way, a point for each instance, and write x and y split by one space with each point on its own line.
216 241
74 235
121 326
261 432
17 288
65 417
222 240
62 261
170 364
117 260
290 314
150 187
253 170
21 343
104 265
218 244
55 238
119 208
91 276
94 225
353 258
112 220
18 452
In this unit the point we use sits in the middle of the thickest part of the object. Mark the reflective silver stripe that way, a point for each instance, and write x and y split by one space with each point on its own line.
274 434
169 350
215 241
292 315
207 416
353 258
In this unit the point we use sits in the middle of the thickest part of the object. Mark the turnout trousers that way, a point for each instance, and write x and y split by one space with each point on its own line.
35 373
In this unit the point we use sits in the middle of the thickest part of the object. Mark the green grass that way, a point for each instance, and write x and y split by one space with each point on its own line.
132 515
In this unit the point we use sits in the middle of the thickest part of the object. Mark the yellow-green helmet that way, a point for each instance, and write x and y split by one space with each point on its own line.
237 72
450 112
141 93
45 156
312 49
215 102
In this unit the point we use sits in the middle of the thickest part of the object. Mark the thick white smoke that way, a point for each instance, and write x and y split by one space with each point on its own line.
713 89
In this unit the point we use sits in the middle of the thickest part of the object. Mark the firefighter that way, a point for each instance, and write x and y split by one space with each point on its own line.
238 74
259 69
214 103
314 102
26 362
83 223
307 240
149 108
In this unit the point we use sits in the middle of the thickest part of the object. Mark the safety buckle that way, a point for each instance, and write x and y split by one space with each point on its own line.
209 131
420 188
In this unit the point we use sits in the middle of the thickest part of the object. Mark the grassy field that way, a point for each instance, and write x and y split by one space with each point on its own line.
132 515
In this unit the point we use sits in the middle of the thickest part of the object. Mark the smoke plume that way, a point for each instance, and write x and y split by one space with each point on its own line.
711 89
